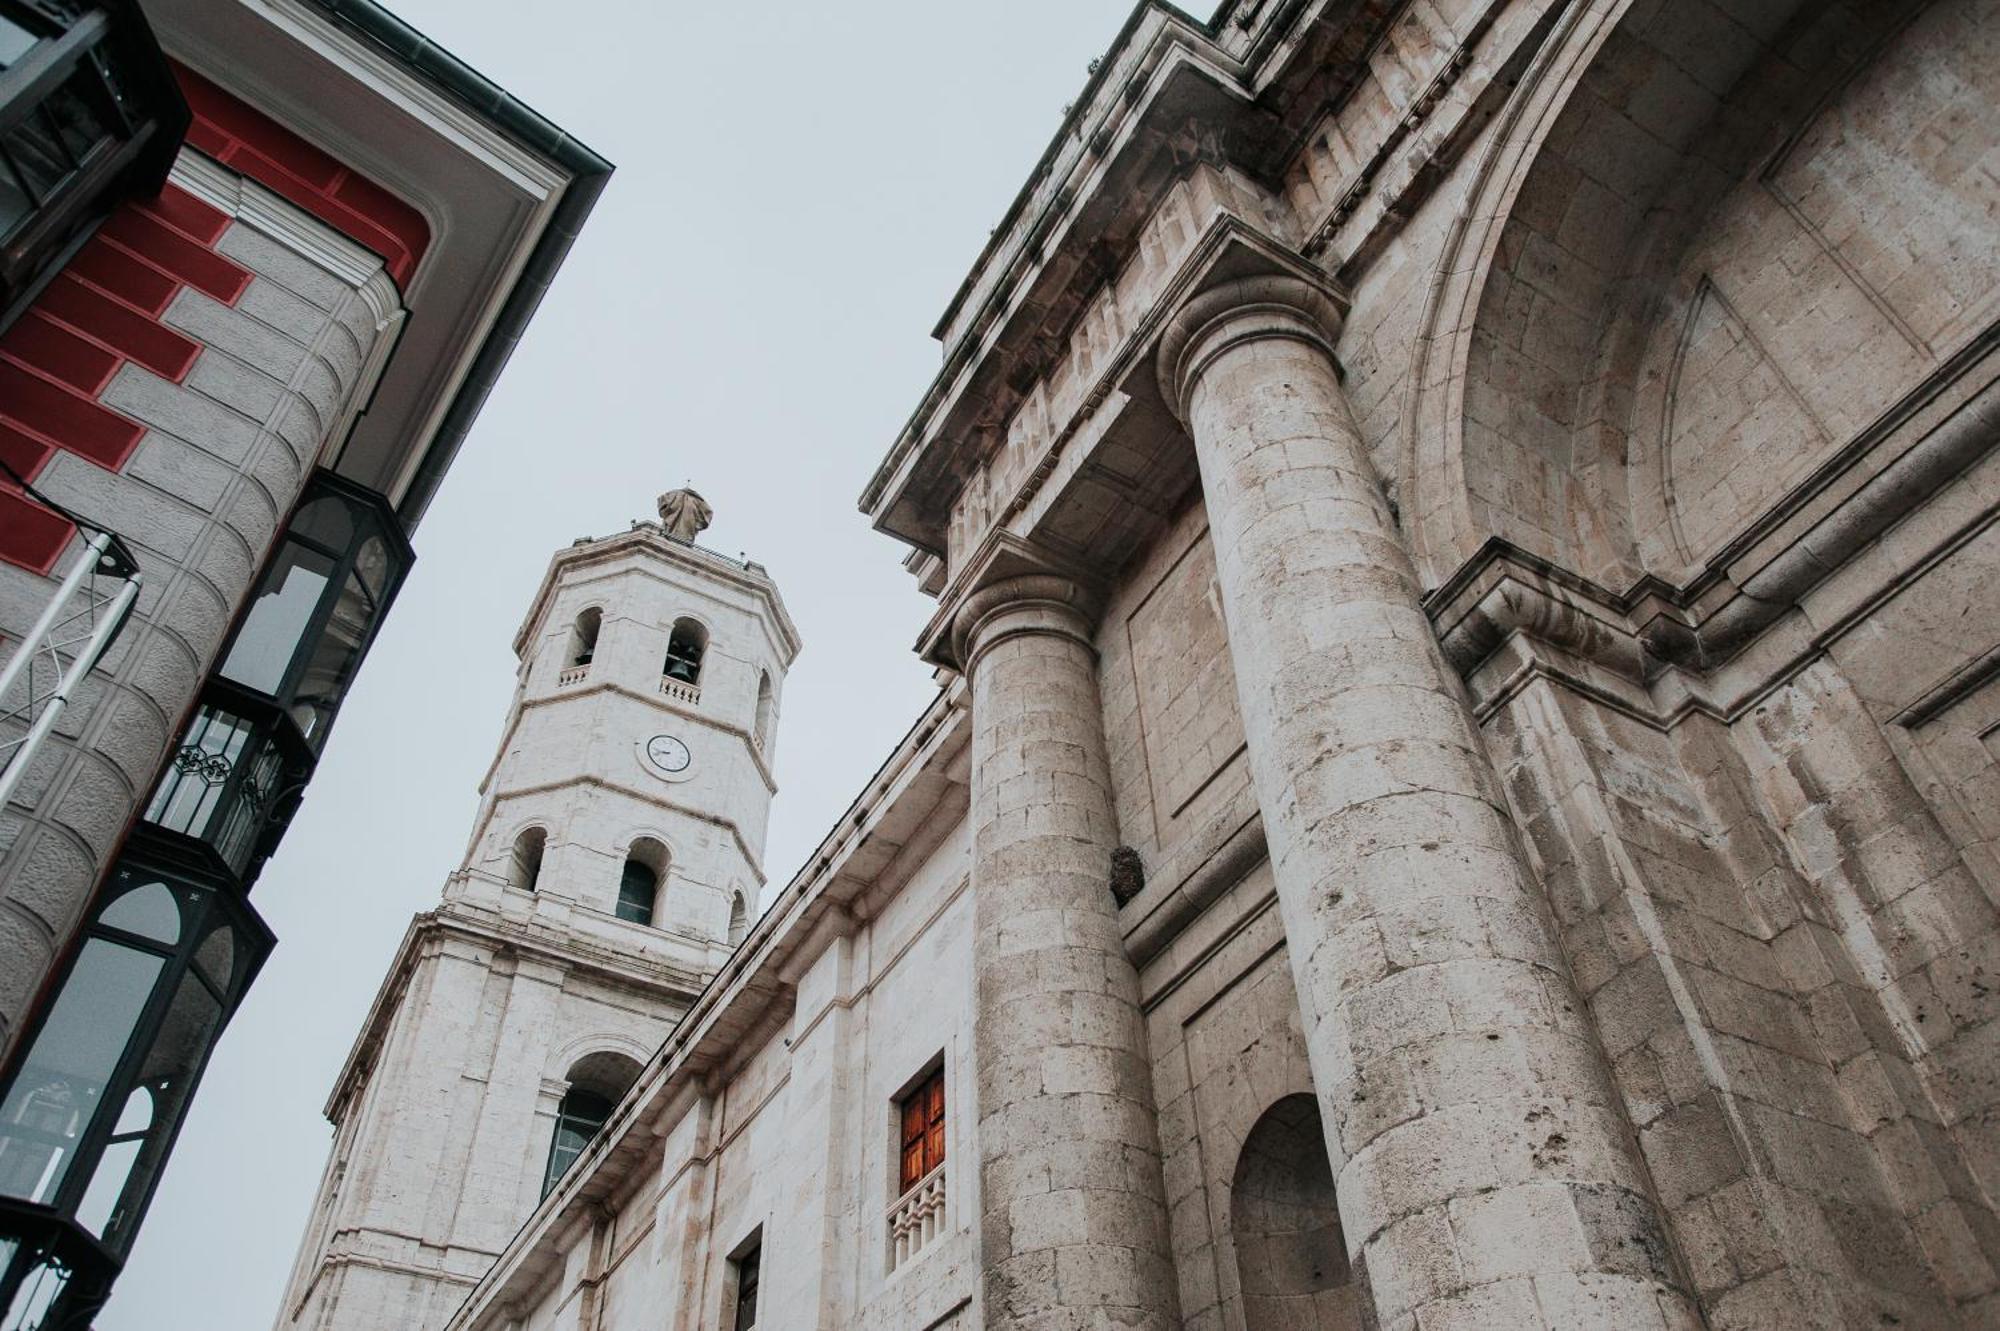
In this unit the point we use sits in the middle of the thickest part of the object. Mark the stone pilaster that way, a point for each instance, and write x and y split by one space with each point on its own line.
1074 1218
1485 1169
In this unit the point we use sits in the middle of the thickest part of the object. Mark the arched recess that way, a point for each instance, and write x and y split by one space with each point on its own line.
1670 276
739 917
642 880
583 633
687 645
594 1084
524 859
766 712
1291 1258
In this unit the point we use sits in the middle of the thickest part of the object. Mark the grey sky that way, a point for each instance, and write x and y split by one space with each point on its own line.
800 189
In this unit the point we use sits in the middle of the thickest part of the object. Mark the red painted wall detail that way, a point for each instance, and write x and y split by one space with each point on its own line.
105 308
102 310
246 140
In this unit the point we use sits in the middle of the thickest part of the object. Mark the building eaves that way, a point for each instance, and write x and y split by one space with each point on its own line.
588 172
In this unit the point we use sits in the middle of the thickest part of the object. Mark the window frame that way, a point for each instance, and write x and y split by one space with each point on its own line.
922 1107
206 904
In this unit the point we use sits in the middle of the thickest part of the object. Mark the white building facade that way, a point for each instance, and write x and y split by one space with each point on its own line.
1464 785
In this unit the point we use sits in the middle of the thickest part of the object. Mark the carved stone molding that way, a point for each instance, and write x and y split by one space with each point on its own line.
1246 309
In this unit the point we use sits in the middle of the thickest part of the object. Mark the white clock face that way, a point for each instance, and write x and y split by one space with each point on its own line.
668 755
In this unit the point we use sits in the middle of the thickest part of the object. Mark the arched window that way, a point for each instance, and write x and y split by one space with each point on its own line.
583 637
765 706
524 865
1291 1259
685 647
739 919
639 881
596 1084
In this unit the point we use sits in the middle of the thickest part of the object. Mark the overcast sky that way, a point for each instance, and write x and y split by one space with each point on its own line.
800 189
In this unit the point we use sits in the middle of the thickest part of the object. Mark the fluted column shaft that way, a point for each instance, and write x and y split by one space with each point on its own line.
1484 1165
1074 1219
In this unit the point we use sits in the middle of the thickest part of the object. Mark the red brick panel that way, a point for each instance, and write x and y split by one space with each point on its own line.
101 311
247 141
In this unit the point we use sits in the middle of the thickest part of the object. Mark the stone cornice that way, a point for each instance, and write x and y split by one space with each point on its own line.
647 536
1658 651
1168 97
453 921
1001 557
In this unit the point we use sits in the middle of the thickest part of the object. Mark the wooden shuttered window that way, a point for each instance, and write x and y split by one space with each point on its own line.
923 1131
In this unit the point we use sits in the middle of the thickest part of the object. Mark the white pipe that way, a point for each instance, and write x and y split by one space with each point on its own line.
93 553
100 638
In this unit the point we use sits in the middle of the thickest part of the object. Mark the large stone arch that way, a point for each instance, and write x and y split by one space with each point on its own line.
1584 354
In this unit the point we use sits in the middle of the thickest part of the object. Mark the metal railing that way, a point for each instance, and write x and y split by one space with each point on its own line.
67 641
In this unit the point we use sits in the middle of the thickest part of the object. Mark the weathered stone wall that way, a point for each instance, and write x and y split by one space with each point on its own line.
1170 718
225 452
794 1144
443 1141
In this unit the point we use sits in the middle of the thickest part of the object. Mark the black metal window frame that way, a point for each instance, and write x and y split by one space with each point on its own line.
580 1116
104 54
344 565
42 1238
235 800
236 777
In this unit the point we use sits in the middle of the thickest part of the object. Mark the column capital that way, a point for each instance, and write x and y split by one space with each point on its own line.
1032 603
1244 309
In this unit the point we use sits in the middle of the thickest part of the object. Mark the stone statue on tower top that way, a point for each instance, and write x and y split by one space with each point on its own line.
685 514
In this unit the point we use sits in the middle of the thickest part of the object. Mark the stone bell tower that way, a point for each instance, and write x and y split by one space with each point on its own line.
614 863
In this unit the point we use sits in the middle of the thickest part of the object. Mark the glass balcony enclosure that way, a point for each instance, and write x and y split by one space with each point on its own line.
320 602
90 115
95 1101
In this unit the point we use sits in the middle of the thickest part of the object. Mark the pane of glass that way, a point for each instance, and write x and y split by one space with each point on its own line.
172 1067
374 565
195 781
150 910
334 658
114 1167
15 203
57 1090
39 156
15 42
75 117
635 893
325 522
270 635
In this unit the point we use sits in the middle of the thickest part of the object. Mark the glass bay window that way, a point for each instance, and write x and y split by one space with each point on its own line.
98 1092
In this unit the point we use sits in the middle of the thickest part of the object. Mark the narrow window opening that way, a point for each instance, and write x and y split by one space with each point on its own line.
578 1119
739 919
922 1117
583 637
686 645
765 707
596 1084
749 1273
524 867
639 882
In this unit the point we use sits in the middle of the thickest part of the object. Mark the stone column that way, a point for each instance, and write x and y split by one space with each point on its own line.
1485 1169
1074 1217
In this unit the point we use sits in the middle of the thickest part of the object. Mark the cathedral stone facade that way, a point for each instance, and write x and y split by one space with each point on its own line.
1463 786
